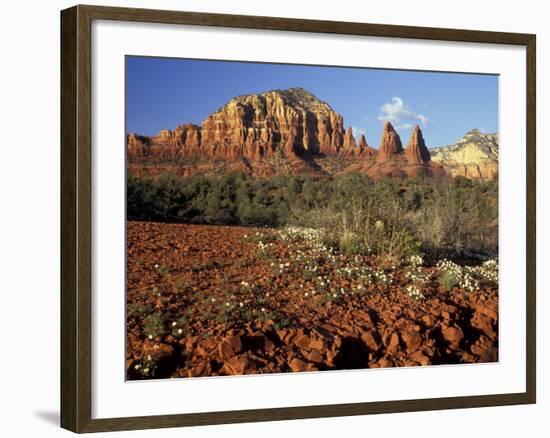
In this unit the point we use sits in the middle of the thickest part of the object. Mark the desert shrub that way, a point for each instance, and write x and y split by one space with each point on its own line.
415 293
451 275
180 327
264 251
145 368
162 269
448 279
397 245
217 209
351 243
259 237
154 325
355 231
138 310
393 242
355 223
459 217
487 272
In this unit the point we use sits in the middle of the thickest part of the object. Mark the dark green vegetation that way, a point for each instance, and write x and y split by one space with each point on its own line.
390 217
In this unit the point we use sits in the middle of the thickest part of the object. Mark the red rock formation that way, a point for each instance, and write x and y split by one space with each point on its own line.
362 143
352 149
137 145
182 141
390 145
188 139
349 147
256 125
288 132
364 148
416 151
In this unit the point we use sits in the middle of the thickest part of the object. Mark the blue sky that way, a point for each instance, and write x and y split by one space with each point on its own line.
164 92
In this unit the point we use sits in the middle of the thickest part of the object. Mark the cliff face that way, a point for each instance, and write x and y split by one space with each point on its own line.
474 156
292 122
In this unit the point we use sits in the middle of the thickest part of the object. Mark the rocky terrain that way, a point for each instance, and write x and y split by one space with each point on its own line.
473 156
279 132
217 300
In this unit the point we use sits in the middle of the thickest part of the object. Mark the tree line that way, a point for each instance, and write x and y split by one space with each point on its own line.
457 214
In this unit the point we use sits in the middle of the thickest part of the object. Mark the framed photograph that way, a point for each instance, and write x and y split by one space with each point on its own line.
268 218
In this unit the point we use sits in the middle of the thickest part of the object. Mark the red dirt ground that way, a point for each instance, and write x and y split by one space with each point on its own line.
224 306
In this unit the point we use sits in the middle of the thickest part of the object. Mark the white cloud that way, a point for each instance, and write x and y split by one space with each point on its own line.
423 119
399 114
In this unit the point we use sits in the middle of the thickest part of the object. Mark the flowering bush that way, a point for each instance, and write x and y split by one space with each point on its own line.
468 282
416 260
146 367
381 277
417 276
293 234
450 273
468 277
487 272
414 292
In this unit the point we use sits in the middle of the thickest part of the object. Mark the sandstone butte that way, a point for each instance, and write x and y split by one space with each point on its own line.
474 156
280 131
390 145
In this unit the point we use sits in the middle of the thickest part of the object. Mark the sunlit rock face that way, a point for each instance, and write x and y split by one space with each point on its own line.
473 156
293 122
